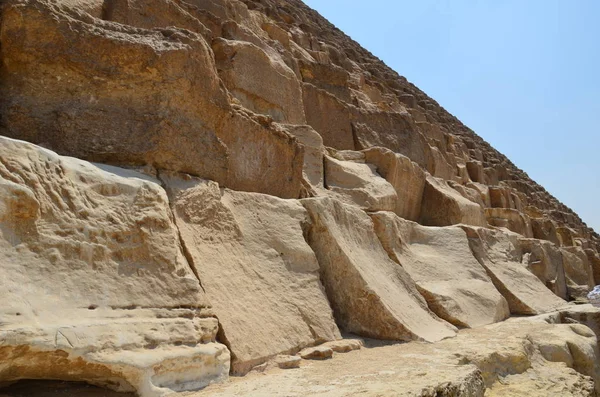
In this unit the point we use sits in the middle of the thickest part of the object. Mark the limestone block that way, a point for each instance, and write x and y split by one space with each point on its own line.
261 276
260 80
370 294
499 253
359 184
407 178
444 206
511 219
545 260
439 260
81 246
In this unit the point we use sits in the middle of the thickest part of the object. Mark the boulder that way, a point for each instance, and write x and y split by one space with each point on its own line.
316 353
261 276
439 260
344 345
407 178
370 294
499 253
94 282
444 206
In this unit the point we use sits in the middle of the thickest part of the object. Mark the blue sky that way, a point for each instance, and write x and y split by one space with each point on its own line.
523 74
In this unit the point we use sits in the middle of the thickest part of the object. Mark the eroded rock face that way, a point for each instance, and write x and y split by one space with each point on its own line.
261 96
499 253
407 178
370 294
114 93
439 260
80 245
261 276
444 206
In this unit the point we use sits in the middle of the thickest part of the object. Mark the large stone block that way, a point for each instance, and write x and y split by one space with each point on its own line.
371 295
116 94
444 206
439 260
499 253
407 178
261 276
359 184
81 247
260 80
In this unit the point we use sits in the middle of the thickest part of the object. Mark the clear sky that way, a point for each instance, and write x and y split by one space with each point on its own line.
523 74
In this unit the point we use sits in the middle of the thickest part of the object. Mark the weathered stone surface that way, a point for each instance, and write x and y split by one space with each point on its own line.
314 151
100 287
316 353
261 81
64 71
439 260
359 184
407 178
288 362
511 219
503 359
261 276
444 206
499 253
370 294
80 244
577 266
344 345
545 260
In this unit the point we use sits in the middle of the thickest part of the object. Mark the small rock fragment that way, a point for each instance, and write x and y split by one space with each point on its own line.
317 353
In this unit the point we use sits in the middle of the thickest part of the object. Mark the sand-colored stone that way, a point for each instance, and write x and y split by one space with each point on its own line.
261 276
499 253
511 219
359 184
407 178
444 206
80 246
370 294
321 352
439 260
503 359
117 94
314 151
261 81
545 260
344 345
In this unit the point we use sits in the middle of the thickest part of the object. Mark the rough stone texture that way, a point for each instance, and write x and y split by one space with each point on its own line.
262 82
513 358
499 253
258 96
316 353
113 93
439 260
344 345
407 178
79 245
261 276
370 294
545 260
358 183
444 206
